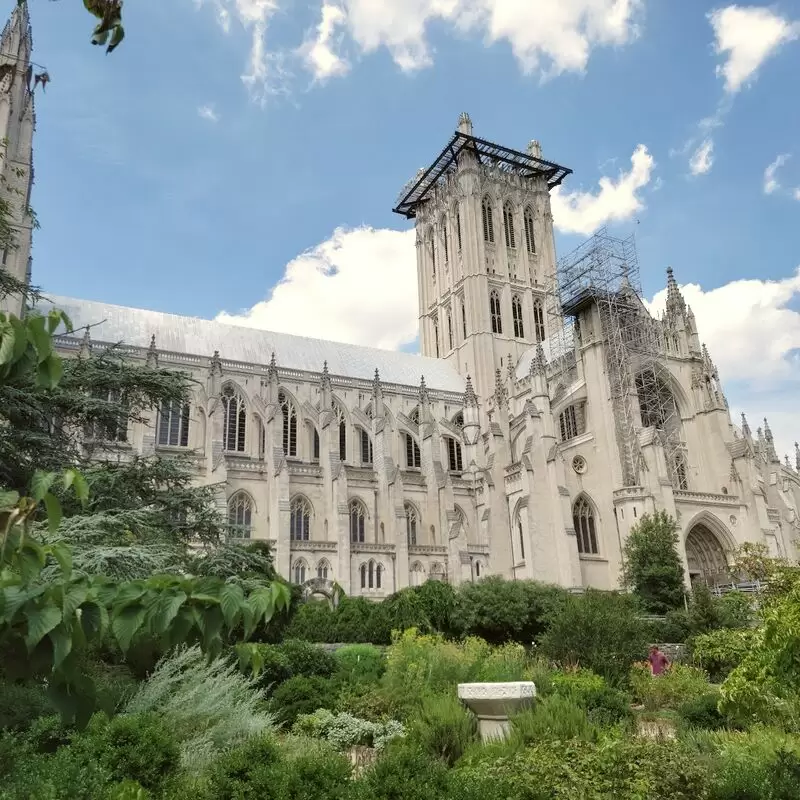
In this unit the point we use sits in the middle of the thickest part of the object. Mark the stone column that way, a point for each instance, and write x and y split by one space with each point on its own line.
494 703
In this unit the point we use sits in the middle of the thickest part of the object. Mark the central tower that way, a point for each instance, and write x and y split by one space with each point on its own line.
485 252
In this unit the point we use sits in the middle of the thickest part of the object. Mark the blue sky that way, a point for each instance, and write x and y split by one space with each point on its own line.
165 180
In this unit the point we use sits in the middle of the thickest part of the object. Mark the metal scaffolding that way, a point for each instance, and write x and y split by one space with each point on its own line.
604 272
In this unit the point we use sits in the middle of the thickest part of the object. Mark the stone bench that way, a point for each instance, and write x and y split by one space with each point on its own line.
494 703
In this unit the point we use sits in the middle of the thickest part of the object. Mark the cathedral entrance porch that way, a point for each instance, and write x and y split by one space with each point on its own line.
706 557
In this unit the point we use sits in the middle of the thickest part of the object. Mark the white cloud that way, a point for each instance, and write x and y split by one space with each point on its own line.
359 286
771 184
796 193
584 212
207 112
545 36
752 330
318 52
746 36
702 158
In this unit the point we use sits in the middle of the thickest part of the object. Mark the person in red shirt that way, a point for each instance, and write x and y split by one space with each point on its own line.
659 663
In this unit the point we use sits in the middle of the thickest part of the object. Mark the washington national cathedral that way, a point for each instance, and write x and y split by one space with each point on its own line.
547 412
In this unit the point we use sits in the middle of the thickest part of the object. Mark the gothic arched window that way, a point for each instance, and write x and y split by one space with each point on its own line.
583 522
520 534
289 425
449 329
508 225
300 520
300 568
488 222
417 574
240 515
235 420
454 460
516 313
413 459
371 575
530 243
494 311
445 240
323 570
432 245
436 335
366 447
568 423
337 409
173 424
538 319
457 215
477 569
411 524
463 318
458 420
314 443
680 472
357 517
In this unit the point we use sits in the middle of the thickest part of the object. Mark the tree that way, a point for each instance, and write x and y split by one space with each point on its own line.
652 566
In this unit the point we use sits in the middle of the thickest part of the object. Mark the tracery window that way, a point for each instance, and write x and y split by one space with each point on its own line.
234 420
488 222
240 515
300 520
289 425
357 516
445 242
520 534
342 432
173 424
538 320
508 225
411 524
432 245
323 570
417 574
300 571
413 459
572 421
366 447
458 419
457 212
371 575
315 444
516 313
454 460
494 311
109 428
680 472
463 318
583 522
449 329
530 244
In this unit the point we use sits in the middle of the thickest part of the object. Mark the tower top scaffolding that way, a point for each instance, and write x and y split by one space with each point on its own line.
604 272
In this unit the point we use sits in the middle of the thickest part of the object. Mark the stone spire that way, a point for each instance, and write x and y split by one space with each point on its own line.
676 306
377 396
424 397
325 389
152 354
534 148
787 462
746 427
465 124
215 374
797 456
86 344
500 391
771 453
470 398
761 446
539 361
272 369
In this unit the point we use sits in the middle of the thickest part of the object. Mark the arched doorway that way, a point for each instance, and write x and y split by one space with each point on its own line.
706 557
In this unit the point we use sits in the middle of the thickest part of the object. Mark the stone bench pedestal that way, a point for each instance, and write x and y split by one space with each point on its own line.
494 703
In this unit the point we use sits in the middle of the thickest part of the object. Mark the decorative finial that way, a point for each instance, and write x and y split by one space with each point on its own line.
152 353
423 392
539 361
771 452
787 462
676 306
534 148
745 426
470 398
216 364
500 391
797 456
465 124
325 378
86 344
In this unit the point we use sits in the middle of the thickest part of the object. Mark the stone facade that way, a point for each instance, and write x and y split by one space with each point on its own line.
381 470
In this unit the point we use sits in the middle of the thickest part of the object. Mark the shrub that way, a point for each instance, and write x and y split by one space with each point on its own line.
209 706
671 689
317 773
598 630
675 627
302 695
251 771
365 701
138 748
505 663
721 651
603 704
444 728
314 621
438 600
703 612
344 730
703 712
21 704
734 610
359 663
501 611
307 659
273 665
406 610
358 620
552 717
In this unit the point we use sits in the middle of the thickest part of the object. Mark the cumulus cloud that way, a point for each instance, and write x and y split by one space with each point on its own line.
208 113
616 200
359 286
547 36
746 36
771 184
319 49
752 330
703 158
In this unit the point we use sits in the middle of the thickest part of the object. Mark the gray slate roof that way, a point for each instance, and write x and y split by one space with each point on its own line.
201 337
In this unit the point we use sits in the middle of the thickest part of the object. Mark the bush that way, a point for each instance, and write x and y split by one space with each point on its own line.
721 651
502 611
358 664
703 712
343 730
444 728
307 659
438 600
604 705
317 773
598 630
302 695
138 748
675 627
252 771
358 620
734 610
273 666
314 621
505 663
552 717
671 689
21 704
406 610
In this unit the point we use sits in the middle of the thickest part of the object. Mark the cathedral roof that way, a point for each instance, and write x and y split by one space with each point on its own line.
201 337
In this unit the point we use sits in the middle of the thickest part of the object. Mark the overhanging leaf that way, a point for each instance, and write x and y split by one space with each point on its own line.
41 483
53 507
62 644
126 624
40 622
163 611
231 601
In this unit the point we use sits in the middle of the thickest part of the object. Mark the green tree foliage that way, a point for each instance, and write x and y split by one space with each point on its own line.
652 565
